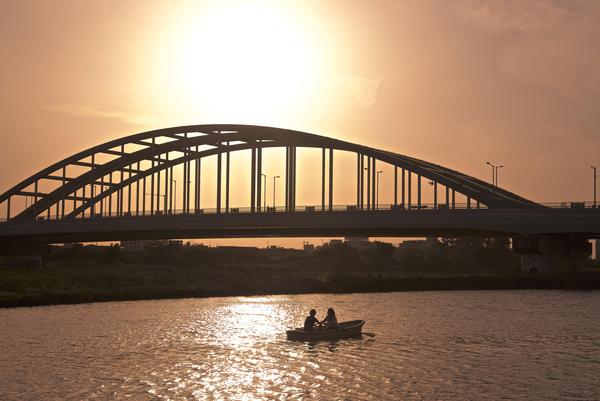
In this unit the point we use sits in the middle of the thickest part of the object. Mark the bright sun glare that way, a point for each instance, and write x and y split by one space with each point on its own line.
241 61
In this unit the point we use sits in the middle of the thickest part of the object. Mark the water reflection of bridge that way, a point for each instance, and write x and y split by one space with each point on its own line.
127 188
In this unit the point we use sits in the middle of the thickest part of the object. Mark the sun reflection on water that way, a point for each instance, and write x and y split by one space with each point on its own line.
247 322
235 349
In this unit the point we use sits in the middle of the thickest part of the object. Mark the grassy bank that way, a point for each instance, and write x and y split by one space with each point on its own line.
61 282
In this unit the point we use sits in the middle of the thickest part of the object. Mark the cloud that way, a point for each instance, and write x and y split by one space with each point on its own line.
542 42
81 110
364 90
514 16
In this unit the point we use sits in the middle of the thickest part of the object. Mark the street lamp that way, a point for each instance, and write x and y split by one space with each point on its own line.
594 168
264 192
493 179
377 198
497 167
274 178
494 173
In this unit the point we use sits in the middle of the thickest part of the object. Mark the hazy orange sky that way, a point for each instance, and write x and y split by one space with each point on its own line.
453 82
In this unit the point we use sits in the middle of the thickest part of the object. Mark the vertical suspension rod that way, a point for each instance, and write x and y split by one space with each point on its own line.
64 174
259 188
152 182
253 180
167 187
137 192
323 179
374 181
368 182
395 186
227 180
287 178
419 191
219 182
409 184
122 176
358 181
110 180
362 182
330 179
198 181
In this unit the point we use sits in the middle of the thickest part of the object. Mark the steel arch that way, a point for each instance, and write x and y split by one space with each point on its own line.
220 138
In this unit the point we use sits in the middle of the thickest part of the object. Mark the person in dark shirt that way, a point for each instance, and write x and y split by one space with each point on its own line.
311 321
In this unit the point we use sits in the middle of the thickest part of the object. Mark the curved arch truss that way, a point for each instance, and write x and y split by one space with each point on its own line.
134 175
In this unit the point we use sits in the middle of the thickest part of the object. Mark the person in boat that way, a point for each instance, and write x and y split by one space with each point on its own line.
311 320
330 320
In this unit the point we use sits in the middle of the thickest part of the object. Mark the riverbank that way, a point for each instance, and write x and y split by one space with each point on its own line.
72 284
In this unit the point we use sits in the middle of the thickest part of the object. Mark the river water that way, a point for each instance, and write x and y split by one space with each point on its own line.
461 345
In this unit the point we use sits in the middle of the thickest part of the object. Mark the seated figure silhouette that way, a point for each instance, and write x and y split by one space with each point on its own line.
311 320
330 320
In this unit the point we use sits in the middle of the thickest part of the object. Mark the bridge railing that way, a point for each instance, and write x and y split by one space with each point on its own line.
572 205
319 209
279 209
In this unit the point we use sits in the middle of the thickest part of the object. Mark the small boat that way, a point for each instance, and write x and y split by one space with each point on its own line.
350 329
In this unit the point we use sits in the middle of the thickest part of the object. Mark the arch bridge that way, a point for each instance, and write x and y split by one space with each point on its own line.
127 189
134 176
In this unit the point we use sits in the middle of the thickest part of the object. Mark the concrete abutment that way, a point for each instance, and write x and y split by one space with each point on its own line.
552 253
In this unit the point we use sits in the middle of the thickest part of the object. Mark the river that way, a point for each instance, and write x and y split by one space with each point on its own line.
457 345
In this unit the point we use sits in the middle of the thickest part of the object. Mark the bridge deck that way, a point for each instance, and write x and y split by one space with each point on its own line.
378 223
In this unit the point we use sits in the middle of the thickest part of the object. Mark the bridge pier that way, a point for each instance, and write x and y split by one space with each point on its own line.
552 253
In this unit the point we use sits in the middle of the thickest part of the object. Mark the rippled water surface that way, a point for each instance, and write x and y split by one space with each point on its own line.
518 345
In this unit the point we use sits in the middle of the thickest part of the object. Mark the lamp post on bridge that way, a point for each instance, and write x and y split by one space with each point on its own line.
377 196
496 168
274 178
595 177
494 173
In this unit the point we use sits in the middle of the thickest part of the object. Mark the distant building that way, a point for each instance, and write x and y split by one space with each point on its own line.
359 242
235 248
140 245
416 245
308 248
413 244
136 246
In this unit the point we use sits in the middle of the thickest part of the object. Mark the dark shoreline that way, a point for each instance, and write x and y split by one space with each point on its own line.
338 285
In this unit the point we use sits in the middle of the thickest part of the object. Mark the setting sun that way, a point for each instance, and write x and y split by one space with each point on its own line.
300 199
240 60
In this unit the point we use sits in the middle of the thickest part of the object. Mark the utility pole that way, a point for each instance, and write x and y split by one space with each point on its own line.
595 176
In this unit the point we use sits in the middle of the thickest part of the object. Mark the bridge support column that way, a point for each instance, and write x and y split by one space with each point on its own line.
552 254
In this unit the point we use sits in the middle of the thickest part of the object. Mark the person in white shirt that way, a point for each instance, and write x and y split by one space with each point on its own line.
330 320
